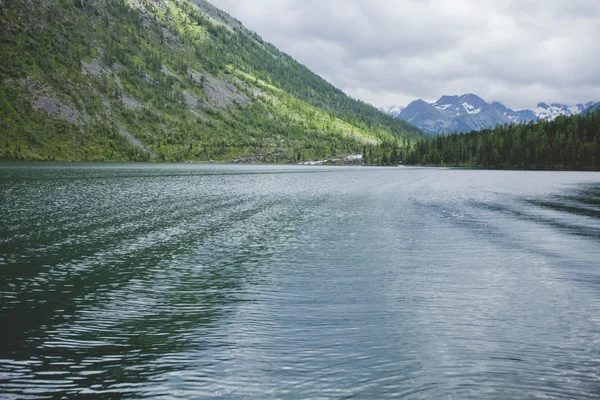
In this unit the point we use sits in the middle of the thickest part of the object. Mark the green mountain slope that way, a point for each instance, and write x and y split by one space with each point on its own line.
168 80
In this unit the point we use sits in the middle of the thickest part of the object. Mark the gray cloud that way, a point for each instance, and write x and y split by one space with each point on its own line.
390 52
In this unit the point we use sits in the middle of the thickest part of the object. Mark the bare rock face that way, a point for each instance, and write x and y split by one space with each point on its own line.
135 142
94 67
54 107
131 103
224 93
190 100
216 15
221 94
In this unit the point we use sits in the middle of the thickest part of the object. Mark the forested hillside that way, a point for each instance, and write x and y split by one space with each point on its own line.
565 143
168 80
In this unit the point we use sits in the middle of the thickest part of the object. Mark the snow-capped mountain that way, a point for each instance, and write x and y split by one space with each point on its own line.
394 111
593 108
522 116
467 104
453 114
552 111
470 112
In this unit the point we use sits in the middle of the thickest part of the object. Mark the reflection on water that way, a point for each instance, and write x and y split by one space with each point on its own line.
237 281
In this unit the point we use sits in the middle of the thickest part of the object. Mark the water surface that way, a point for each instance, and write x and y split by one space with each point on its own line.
219 281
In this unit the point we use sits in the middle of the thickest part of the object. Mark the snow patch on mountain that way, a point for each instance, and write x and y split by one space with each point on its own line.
394 111
471 109
575 109
549 112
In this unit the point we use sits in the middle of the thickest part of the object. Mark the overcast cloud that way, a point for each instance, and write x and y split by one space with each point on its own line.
390 52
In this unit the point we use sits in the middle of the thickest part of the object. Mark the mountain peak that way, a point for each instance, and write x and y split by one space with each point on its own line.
472 98
447 100
417 103
499 106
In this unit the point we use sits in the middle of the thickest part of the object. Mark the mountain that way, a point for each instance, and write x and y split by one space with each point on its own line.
394 111
168 80
452 114
424 115
469 112
592 108
549 112
522 116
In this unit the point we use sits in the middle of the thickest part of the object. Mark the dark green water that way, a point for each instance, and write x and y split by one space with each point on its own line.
184 281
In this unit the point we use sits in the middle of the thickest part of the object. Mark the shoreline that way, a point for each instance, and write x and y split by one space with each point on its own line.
302 164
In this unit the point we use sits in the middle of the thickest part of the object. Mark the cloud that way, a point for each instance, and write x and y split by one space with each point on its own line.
389 52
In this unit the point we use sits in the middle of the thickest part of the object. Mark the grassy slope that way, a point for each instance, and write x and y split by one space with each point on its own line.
167 80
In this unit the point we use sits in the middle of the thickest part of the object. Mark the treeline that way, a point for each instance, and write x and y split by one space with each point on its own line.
571 143
384 154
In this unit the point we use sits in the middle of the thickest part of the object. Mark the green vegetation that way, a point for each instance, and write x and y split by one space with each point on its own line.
169 81
570 143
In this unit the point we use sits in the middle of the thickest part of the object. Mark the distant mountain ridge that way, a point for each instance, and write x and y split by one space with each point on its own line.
470 112
394 111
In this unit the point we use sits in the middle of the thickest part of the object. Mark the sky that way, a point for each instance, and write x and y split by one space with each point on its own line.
391 52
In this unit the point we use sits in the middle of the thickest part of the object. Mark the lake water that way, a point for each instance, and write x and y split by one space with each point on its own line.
220 281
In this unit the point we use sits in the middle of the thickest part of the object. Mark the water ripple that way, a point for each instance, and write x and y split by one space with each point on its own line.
284 282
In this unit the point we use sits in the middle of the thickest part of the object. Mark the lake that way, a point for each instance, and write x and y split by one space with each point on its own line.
228 281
